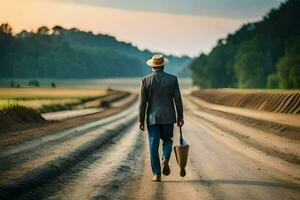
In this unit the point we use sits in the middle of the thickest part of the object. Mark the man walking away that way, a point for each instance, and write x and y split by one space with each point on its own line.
159 92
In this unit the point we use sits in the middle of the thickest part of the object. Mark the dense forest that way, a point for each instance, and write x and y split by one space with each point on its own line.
264 54
70 53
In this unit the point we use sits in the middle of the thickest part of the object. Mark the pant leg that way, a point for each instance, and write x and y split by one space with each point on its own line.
154 138
166 135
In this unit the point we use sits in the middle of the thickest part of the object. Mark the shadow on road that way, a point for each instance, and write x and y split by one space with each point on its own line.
242 182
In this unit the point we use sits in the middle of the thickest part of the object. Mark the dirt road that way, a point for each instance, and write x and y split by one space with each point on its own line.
108 159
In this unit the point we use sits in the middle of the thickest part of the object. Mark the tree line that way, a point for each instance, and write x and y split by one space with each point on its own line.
263 54
71 53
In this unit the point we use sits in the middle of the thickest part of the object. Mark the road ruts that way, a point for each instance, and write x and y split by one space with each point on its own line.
49 157
218 168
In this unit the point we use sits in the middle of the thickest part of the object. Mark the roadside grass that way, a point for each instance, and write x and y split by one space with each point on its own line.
50 93
19 111
37 103
51 99
13 115
4 104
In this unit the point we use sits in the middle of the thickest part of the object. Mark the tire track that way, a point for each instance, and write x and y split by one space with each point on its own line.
282 148
17 154
34 142
227 173
121 160
102 179
38 171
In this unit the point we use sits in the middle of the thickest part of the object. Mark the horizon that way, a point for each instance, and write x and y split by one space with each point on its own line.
196 33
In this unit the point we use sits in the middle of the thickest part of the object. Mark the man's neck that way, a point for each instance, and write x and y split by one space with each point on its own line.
159 69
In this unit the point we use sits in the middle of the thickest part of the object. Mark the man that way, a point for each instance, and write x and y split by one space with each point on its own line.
159 92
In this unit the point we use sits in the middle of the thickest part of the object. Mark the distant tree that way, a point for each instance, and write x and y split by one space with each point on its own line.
289 72
34 83
53 84
273 81
12 84
57 30
199 68
258 55
23 34
44 30
288 66
6 28
6 42
253 64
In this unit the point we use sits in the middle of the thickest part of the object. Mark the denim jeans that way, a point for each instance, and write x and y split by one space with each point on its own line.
155 133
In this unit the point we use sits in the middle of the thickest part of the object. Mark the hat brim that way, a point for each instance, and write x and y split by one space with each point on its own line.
152 64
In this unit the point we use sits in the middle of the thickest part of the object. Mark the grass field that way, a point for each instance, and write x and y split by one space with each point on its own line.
38 98
49 93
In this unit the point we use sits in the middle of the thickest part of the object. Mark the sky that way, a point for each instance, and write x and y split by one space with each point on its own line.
179 27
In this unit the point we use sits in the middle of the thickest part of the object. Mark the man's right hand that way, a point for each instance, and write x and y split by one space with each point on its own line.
180 122
142 126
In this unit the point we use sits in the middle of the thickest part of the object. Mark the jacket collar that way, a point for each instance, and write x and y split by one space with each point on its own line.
158 71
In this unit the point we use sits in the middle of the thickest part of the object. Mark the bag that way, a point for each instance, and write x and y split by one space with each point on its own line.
181 154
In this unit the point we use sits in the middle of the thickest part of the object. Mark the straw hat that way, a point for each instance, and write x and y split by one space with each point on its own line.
157 60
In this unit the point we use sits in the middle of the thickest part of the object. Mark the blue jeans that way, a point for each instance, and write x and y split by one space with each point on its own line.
155 133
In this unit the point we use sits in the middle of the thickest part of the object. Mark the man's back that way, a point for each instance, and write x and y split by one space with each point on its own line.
160 90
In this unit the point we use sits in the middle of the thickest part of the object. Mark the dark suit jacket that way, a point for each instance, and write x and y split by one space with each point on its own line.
159 92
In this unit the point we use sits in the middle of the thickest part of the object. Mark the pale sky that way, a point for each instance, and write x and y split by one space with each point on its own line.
170 26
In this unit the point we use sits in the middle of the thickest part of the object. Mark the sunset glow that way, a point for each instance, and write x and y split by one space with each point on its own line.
167 32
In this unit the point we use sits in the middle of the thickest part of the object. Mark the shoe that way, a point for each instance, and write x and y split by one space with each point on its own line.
166 168
156 178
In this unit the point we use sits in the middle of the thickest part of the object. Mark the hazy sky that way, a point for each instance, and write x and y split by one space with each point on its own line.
172 26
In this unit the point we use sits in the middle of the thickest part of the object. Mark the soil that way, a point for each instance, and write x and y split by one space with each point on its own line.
105 156
279 102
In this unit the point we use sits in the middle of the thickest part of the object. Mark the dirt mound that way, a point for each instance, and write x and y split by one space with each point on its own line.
280 102
16 115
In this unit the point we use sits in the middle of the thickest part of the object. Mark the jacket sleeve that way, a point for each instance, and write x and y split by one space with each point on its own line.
178 100
143 102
